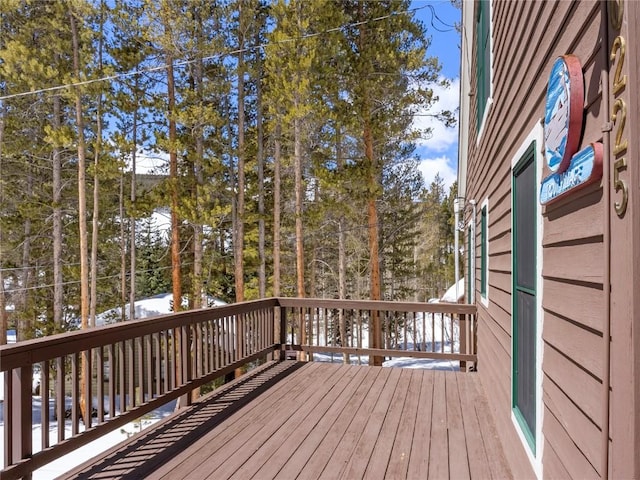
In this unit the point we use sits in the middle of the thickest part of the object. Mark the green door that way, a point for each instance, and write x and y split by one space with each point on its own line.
524 294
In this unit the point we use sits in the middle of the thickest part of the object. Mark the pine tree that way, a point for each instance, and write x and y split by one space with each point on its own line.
383 56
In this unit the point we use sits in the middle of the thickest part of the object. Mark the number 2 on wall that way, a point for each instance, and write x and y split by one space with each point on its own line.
619 80
619 107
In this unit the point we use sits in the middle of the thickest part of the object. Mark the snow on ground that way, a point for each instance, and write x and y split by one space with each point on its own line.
454 293
397 362
160 304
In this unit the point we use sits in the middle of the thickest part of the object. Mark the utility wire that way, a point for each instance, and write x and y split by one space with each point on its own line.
184 63
75 282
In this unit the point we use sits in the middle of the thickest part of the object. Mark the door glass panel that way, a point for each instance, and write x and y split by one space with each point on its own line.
524 295
525 227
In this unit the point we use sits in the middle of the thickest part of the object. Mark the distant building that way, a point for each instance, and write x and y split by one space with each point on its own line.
549 175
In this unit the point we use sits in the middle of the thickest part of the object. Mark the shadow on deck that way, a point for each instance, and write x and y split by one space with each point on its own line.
320 420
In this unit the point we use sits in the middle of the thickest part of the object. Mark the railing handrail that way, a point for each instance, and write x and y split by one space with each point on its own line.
380 305
37 350
28 352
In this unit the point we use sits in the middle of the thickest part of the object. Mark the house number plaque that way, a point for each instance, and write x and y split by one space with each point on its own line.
618 119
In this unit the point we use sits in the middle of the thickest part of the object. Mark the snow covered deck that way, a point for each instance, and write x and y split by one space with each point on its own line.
320 420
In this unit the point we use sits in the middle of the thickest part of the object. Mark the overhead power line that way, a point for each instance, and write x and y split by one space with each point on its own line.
184 63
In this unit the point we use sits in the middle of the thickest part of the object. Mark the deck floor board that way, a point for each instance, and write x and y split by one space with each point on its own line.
320 420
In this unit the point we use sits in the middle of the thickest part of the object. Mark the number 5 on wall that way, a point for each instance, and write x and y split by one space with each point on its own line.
619 184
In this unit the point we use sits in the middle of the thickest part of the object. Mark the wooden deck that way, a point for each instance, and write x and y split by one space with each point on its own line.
318 420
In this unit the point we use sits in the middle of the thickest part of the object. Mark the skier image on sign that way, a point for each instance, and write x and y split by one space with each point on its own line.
557 118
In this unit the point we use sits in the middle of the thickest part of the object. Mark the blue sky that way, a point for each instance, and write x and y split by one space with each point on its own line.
439 154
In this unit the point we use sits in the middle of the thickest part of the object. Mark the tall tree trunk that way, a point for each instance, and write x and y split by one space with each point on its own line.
276 221
3 304
132 218
94 223
239 244
176 277
96 188
173 179
198 231
262 275
297 157
375 331
197 284
23 330
277 160
239 237
82 219
123 249
342 255
374 266
58 289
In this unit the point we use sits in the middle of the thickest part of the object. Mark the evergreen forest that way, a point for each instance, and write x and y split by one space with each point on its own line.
283 142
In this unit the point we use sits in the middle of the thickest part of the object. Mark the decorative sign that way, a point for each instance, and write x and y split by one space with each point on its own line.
584 169
563 112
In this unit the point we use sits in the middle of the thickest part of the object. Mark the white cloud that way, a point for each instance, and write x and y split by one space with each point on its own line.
440 165
442 138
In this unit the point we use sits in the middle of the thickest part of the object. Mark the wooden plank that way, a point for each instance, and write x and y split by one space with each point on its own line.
582 303
439 451
493 329
345 446
458 462
583 389
570 458
581 261
583 433
366 442
333 423
491 441
499 243
419 457
384 442
581 345
399 459
272 455
379 305
553 467
256 411
476 454
280 423
502 298
329 453
573 220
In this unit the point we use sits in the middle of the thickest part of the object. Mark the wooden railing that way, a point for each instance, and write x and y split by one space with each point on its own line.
436 331
138 366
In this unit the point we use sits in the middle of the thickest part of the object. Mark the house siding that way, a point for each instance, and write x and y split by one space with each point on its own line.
527 38
625 269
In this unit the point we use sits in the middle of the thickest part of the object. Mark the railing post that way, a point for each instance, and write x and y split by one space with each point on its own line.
20 414
282 333
462 327
375 336
185 363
